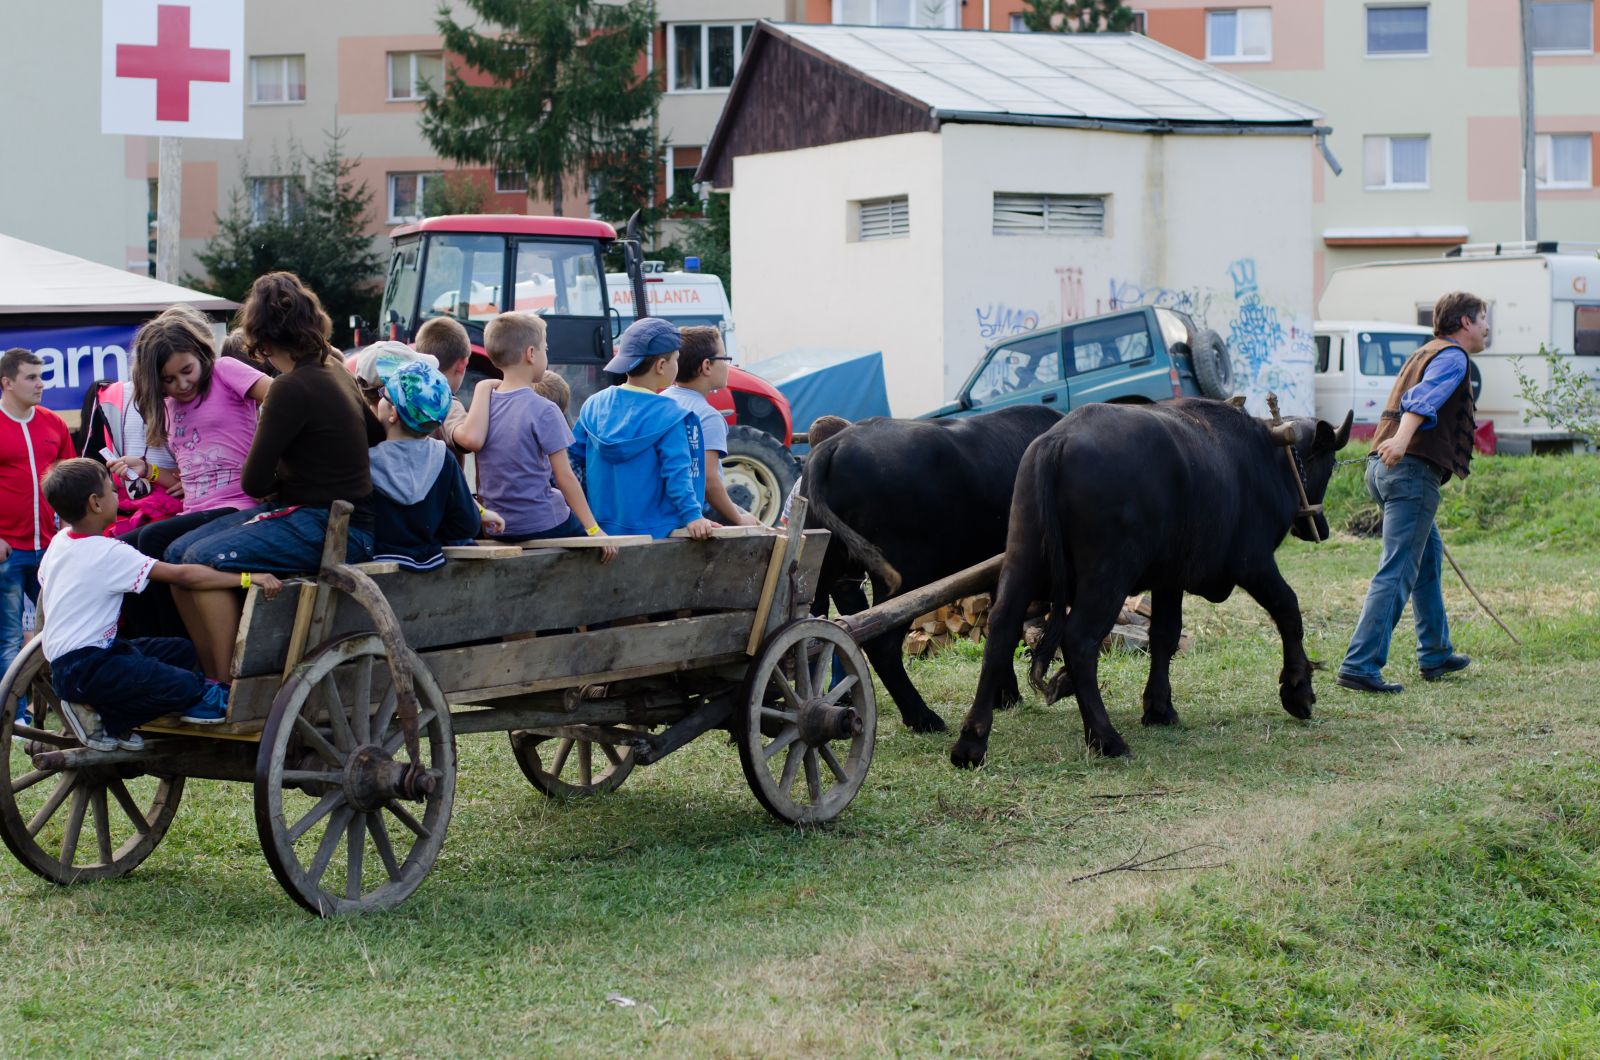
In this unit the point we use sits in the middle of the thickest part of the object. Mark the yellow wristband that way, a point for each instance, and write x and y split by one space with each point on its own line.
593 530
244 580
482 511
155 473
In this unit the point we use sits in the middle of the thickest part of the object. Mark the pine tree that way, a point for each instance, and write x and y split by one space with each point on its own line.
557 88
1077 16
318 232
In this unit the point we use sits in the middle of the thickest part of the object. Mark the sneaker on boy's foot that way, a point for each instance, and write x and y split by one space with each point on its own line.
23 716
85 725
129 741
212 708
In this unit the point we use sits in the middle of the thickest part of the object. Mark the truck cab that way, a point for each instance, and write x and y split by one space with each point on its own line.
1137 355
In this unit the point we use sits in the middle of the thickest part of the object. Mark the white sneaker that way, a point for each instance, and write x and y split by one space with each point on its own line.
86 726
129 741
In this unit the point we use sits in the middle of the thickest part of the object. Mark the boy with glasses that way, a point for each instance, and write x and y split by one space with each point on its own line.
702 368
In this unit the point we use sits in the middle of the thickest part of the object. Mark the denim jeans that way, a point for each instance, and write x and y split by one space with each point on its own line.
1413 555
19 577
131 682
267 538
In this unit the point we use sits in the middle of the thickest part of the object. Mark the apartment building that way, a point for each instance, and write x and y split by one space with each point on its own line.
1422 98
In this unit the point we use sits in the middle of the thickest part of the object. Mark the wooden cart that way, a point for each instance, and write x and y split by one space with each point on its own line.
350 690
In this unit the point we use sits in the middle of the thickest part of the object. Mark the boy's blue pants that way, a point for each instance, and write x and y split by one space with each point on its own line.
132 681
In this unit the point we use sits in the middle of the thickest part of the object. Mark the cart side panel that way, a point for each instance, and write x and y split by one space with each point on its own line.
484 600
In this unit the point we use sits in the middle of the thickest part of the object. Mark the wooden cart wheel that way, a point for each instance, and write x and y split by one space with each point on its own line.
792 724
43 812
346 824
576 768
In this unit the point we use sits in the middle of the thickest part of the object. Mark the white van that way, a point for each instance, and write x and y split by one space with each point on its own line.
1357 362
688 299
1538 293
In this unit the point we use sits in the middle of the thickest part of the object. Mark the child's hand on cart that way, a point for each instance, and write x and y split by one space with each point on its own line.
267 583
701 528
493 521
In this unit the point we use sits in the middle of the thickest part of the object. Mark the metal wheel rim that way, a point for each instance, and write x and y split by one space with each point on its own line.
398 842
102 822
758 479
598 768
773 755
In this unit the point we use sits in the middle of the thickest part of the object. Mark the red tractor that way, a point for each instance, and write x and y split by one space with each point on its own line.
475 266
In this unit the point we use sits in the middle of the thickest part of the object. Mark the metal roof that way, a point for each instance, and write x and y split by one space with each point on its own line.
974 76
38 280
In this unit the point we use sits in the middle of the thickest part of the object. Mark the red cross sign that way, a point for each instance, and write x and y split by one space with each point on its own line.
173 68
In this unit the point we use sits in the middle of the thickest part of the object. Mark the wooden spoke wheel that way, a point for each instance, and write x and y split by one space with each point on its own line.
348 822
564 767
71 825
804 741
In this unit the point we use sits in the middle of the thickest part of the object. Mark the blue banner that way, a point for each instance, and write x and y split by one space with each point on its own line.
74 358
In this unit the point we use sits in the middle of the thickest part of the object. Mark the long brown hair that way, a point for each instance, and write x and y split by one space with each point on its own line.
179 329
283 314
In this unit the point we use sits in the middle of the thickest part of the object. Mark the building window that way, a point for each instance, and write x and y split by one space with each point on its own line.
1018 25
408 71
936 14
405 194
1563 26
1240 35
883 218
704 57
1024 214
1397 30
1139 21
510 181
274 197
682 163
1396 162
1586 330
1561 160
277 79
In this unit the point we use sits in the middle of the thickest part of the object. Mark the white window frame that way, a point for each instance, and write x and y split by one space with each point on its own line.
423 177
1544 149
1427 15
889 202
1211 52
952 14
259 212
705 54
1587 49
256 60
388 73
670 165
1388 162
501 189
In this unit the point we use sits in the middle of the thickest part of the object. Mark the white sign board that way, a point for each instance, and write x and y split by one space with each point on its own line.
172 68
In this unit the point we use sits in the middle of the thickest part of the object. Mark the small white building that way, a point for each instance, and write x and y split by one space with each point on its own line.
926 192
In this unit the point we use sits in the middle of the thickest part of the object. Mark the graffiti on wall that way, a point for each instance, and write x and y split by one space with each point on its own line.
1069 278
998 320
1128 294
1268 355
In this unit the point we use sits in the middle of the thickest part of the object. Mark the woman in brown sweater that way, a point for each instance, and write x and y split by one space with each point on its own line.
310 450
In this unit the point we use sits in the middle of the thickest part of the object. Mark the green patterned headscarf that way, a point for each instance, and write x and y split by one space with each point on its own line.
420 396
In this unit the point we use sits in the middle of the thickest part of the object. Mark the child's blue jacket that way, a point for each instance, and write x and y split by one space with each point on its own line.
638 453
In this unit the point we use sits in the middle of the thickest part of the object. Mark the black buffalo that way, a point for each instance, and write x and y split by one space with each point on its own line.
1187 496
909 502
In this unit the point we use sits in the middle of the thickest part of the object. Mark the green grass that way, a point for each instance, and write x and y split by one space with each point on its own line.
1406 876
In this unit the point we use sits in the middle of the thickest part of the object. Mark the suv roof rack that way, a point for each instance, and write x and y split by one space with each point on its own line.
1543 246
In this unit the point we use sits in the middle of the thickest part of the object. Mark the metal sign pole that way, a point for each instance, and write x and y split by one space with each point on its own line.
169 204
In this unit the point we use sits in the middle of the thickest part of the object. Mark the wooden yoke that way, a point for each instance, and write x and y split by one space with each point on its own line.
1284 435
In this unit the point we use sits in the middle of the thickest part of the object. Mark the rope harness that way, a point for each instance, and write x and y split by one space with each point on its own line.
1284 435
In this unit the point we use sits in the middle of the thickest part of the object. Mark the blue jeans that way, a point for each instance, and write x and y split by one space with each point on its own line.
131 681
267 538
19 577
1413 555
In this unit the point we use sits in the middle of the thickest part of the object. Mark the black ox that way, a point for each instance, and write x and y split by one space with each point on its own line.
1187 496
909 502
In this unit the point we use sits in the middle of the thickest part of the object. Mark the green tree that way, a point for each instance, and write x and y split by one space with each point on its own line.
452 193
1568 401
565 90
708 240
314 225
1077 16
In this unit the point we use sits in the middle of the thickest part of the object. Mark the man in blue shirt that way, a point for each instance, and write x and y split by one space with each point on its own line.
1425 436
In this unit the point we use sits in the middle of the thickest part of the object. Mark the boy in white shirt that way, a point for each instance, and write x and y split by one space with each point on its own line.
109 685
703 368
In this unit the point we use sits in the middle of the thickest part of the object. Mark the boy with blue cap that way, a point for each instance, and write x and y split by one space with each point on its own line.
641 452
420 499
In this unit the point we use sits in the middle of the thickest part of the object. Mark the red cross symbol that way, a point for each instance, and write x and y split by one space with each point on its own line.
172 63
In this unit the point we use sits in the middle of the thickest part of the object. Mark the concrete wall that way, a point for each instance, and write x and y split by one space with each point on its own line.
1215 226
64 184
801 281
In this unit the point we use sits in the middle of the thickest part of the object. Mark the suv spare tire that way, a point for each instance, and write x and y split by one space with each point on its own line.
1213 364
758 473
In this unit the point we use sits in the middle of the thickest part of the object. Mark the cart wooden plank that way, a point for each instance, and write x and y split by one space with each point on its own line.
724 532
614 541
452 552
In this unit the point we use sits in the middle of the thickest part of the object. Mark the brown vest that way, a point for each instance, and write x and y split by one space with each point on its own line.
1447 445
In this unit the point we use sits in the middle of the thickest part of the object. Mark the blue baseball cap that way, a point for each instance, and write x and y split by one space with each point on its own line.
645 337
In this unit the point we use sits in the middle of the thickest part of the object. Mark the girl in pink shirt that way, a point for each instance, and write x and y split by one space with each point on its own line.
203 408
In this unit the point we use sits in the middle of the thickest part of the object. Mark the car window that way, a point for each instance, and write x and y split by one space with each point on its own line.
1106 343
1175 327
1324 347
1026 364
1383 353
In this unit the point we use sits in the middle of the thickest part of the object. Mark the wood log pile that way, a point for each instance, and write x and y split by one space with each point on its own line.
968 619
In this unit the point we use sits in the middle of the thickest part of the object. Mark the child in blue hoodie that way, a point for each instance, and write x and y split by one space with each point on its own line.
641 452
420 499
